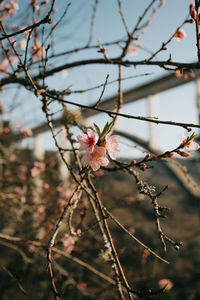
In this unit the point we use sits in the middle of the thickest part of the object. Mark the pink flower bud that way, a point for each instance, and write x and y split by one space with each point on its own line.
193 13
171 154
191 6
142 166
165 283
103 49
147 156
155 158
183 154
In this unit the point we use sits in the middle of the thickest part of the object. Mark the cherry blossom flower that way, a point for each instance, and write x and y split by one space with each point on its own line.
37 169
64 73
162 283
180 35
96 159
35 172
133 51
19 190
22 44
191 145
98 173
38 50
69 242
87 141
26 132
112 145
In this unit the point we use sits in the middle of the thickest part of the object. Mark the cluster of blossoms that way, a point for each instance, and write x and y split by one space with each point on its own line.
96 151
9 9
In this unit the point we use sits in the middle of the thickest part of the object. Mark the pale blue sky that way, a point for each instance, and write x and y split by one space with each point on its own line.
177 105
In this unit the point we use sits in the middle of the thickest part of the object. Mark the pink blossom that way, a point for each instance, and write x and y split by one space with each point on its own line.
19 190
41 209
69 242
22 44
191 145
23 169
35 172
112 145
180 34
38 50
98 173
193 13
96 159
130 200
36 7
14 4
46 186
40 165
162 283
64 73
8 175
1 105
132 51
26 132
87 141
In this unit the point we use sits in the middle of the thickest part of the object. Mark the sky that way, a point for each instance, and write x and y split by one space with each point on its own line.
178 104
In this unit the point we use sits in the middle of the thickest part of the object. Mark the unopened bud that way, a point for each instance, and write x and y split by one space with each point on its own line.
147 156
191 21
154 158
171 154
133 162
191 6
193 13
102 50
183 154
142 166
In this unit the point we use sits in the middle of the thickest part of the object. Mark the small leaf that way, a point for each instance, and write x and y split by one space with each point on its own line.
106 129
97 129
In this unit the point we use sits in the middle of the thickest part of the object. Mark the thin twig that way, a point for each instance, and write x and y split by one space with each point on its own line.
134 238
139 118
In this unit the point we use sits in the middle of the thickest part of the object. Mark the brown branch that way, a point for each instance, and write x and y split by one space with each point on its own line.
120 97
122 17
197 29
16 280
116 261
139 118
52 241
131 36
115 61
92 22
65 254
163 47
102 93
